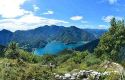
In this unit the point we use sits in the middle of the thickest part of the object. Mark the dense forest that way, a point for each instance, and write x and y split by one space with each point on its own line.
107 60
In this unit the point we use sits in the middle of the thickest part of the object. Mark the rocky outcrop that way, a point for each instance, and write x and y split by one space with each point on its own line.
110 68
81 75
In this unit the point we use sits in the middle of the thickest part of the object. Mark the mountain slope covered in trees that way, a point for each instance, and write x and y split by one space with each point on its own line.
88 46
39 37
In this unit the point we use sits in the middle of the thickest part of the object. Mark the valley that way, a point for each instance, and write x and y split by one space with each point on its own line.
40 37
72 54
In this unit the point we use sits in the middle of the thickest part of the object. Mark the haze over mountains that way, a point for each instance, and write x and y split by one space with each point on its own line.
39 37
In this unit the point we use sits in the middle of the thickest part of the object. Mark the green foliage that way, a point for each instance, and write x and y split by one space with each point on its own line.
112 41
63 58
12 70
78 57
29 57
2 51
12 51
46 59
91 60
38 73
67 66
113 76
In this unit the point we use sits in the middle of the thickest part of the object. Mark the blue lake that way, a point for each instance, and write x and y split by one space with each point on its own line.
55 47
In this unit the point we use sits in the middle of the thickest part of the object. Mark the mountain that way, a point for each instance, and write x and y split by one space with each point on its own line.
96 32
74 34
5 37
40 36
88 46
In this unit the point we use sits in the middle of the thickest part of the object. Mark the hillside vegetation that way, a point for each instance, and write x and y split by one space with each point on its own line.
18 64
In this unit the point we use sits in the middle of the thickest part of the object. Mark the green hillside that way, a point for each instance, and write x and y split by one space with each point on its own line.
105 63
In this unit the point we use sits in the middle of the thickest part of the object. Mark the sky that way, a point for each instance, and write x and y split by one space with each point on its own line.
30 14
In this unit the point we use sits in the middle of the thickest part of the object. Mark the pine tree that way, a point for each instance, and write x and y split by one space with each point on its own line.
112 41
12 51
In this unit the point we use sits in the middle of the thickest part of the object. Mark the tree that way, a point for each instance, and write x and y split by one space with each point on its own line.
112 41
2 51
79 56
12 51
47 59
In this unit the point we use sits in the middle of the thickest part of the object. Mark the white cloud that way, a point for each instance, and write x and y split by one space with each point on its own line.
12 8
112 1
36 8
14 17
90 26
49 12
108 18
102 27
28 21
75 18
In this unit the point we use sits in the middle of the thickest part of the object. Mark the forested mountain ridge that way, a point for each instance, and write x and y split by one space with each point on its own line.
39 37
88 46
96 32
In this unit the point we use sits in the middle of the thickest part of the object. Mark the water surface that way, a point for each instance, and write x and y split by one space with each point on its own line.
55 47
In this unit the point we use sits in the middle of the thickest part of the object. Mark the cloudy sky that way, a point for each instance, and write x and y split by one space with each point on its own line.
29 14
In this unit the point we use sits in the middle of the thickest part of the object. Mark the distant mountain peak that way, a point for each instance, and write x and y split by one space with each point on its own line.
73 27
5 30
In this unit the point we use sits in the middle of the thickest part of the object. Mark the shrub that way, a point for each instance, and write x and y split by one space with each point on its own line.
113 76
91 60
78 57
